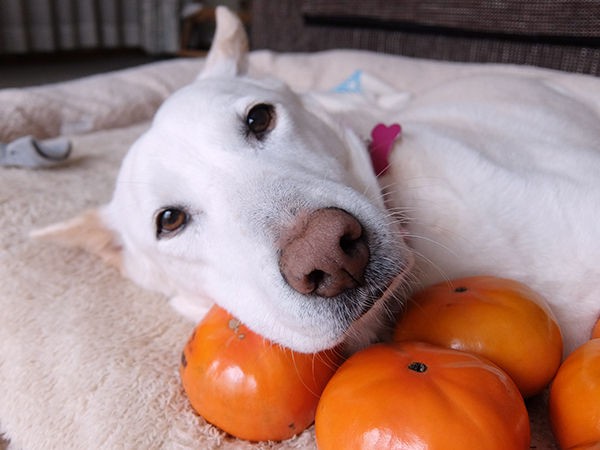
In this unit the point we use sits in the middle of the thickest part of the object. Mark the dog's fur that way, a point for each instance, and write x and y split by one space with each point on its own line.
506 183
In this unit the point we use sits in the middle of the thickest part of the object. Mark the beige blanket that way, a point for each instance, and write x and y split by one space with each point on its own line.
91 103
87 359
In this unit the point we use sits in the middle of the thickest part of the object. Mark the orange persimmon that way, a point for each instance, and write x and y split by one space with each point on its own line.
248 386
500 319
590 446
412 395
574 401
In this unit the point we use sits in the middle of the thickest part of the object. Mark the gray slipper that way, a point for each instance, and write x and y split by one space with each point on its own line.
31 153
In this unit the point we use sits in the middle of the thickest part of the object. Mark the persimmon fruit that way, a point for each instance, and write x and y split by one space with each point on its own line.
498 318
411 395
574 401
248 386
590 446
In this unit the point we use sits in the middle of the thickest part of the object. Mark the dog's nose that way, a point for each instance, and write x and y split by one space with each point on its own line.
324 252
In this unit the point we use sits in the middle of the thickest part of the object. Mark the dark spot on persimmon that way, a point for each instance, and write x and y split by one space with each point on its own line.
461 289
234 324
417 366
183 360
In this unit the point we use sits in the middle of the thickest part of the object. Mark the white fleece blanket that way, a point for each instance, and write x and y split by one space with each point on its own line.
87 359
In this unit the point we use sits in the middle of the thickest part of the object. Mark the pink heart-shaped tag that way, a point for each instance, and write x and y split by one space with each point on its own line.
382 142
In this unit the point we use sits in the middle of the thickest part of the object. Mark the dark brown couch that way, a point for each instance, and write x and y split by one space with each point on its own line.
559 34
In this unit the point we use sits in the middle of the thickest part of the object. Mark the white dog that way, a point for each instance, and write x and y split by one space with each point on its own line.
263 201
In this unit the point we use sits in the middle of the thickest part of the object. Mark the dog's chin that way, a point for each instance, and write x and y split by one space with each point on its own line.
376 323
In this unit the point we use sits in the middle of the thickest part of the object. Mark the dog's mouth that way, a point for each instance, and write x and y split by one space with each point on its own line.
393 289
374 320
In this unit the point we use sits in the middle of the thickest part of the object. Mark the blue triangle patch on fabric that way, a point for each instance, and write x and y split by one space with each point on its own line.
353 84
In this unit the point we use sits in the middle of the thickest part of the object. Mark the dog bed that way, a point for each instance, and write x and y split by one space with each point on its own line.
88 359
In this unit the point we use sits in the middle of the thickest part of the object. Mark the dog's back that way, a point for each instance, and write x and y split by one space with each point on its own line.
501 175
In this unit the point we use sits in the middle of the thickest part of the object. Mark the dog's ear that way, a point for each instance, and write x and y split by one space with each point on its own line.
87 231
229 50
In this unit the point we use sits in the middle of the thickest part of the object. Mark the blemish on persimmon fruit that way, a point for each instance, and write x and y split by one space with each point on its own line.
234 325
418 366
183 360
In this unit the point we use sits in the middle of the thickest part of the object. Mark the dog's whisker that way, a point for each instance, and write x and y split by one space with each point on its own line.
300 377
438 269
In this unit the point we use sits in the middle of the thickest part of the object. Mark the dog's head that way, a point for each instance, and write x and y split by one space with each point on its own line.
245 193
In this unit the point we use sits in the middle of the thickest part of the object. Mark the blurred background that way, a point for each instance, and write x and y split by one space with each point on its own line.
45 41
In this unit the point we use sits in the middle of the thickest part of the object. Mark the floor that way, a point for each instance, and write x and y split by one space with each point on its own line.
33 70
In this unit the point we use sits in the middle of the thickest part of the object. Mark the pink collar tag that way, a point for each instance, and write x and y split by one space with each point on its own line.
380 147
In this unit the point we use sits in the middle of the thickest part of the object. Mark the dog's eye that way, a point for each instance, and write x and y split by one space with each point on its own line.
169 221
260 119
